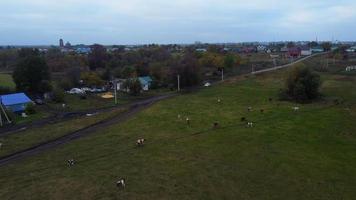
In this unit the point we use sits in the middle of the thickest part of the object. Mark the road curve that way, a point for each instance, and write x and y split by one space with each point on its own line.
287 65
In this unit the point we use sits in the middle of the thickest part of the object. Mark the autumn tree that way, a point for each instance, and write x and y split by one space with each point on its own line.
97 57
32 74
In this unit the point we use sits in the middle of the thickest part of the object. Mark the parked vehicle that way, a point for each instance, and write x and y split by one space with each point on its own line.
76 91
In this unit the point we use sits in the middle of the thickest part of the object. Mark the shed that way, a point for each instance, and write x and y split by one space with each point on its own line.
15 102
146 82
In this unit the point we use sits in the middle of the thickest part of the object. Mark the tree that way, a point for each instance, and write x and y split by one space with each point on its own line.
32 75
229 61
326 46
97 57
188 69
134 86
91 79
313 44
302 84
290 44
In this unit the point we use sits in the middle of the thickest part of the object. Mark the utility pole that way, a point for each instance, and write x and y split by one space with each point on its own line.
3 110
115 91
178 80
222 74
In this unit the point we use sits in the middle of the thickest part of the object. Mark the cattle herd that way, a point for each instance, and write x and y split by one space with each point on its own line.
140 142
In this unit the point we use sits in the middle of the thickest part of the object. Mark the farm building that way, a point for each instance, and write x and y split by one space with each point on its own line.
306 51
294 52
146 82
317 50
15 102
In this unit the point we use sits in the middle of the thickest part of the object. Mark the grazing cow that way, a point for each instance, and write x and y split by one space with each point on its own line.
120 183
243 119
262 110
249 124
219 100
295 109
140 142
336 102
188 121
249 109
270 99
71 162
179 117
216 125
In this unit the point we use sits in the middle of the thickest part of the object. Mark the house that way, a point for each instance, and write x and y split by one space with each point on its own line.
294 52
351 49
317 49
261 48
83 50
146 82
284 49
15 102
248 49
201 50
306 51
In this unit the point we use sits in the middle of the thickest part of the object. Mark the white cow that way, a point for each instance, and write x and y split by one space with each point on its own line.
249 124
120 183
140 142
71 162
295 109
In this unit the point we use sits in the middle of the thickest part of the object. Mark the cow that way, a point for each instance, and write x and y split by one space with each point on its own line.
71 162
120 183
140 142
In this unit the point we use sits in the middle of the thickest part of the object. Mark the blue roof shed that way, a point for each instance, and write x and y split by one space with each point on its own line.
15 102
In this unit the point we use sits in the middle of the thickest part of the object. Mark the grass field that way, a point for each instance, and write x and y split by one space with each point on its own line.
26 139
6 81
310 154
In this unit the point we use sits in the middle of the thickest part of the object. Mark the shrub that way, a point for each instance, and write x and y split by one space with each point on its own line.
133 85
4 90
302 84
30 109
58 95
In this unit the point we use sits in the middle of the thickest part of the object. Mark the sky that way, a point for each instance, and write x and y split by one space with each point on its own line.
44 22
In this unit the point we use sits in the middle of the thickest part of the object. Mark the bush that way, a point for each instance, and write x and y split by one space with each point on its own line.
133 85
302 85
30 109
4 90
58 95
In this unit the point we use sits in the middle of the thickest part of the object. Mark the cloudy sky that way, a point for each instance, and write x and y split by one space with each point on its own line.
27 22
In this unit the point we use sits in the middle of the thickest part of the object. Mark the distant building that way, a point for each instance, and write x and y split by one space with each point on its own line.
306 51
284 49
317 49
294 52
68 45
201 50
261 48
15 102
83 50
61 43
146 82
351 49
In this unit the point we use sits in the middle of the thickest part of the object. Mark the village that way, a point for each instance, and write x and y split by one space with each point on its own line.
178 100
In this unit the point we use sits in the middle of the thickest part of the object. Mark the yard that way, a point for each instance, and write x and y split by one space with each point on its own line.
309 154
6 81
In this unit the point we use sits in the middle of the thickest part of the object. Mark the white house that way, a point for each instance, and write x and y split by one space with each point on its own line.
306 51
